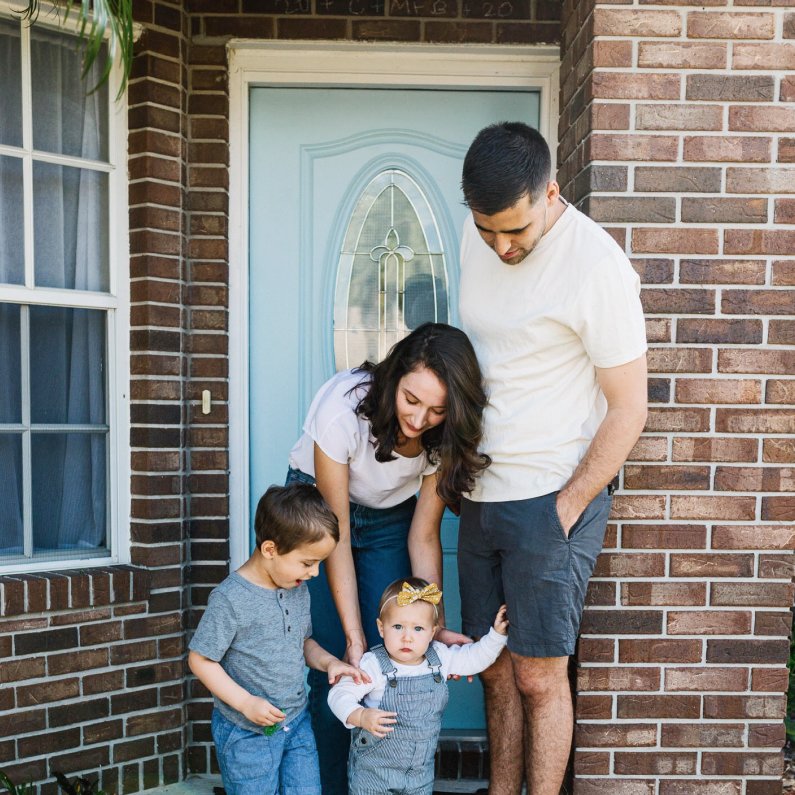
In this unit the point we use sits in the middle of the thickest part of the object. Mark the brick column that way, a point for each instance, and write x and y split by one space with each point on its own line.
676 136
158 412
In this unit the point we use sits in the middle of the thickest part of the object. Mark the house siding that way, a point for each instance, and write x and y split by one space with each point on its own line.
676 134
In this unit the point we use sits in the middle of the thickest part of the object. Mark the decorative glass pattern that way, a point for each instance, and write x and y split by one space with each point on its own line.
392 274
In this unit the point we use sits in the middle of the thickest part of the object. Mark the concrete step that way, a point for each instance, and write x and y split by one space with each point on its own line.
203 785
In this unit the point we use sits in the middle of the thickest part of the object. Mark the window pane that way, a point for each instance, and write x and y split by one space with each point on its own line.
10 84
69 492
11 494
70 220
67 366
66 118
10 388
12 230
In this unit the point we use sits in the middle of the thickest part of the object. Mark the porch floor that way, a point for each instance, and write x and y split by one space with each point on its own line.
203 785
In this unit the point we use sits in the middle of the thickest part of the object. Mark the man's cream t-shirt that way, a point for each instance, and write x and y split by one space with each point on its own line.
539 328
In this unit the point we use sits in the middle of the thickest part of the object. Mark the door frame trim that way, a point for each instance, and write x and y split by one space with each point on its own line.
339 64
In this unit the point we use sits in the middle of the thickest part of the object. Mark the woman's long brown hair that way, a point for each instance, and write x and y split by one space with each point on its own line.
453 444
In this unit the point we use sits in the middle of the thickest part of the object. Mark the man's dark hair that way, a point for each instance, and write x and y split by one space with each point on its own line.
292 516
505 162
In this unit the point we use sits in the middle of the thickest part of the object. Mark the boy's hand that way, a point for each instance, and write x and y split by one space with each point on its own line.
501 621
375 721
338 669
262 712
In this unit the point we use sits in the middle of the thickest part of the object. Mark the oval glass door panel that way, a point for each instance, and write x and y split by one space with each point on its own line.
391 275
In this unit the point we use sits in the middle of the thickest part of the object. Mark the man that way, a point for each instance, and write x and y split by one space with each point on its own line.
551 305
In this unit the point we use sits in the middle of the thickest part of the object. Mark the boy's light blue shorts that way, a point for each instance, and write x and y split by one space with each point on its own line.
251 763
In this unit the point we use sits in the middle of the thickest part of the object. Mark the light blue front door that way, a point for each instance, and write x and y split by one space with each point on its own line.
319 161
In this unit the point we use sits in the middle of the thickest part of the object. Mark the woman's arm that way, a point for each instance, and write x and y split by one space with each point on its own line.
332 482
220 684
424 541
425 548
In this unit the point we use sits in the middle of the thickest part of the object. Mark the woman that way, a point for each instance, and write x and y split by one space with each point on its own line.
374 437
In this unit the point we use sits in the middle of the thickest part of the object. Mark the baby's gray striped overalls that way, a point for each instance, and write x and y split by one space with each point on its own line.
402 762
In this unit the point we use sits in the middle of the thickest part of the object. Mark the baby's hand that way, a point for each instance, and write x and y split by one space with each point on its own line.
338 669
262 712
501 621
375 721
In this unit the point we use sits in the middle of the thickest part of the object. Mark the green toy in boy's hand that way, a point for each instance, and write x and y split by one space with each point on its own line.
269 730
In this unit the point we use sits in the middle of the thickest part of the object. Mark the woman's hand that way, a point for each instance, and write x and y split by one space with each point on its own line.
355 647
375 721
451 638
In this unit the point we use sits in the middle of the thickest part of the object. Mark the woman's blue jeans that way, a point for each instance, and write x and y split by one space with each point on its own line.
379 542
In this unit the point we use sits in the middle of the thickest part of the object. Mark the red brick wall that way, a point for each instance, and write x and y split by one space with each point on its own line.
91 680
92 674
676 135
448 21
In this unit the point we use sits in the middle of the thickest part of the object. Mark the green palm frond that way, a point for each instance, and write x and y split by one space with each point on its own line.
13 789
94 17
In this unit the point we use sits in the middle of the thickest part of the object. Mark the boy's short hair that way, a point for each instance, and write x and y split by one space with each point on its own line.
294 515
395 587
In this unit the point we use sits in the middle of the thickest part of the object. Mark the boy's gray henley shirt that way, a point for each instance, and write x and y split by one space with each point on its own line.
257 635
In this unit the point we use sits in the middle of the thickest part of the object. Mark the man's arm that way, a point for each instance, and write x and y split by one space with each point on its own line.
625 389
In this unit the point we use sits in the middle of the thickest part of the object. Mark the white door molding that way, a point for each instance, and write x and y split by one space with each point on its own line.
339 64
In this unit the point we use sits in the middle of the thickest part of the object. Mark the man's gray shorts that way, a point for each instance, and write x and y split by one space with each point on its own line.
516 553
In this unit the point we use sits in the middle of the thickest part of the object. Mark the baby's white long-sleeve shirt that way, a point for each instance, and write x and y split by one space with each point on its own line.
471 658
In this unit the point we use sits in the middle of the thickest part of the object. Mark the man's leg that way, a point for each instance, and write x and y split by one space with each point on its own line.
480 585
505 724
543 684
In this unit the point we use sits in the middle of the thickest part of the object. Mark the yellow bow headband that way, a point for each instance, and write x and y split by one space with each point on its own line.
409 594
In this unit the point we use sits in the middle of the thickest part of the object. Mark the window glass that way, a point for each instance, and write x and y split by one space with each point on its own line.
70 223
56 443
66 119
69 492
67 366
12 221
10 382
10 83
12 528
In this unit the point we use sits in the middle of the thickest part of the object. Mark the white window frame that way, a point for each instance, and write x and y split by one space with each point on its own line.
115 303
355 64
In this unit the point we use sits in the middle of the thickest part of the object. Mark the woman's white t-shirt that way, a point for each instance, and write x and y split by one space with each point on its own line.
333 424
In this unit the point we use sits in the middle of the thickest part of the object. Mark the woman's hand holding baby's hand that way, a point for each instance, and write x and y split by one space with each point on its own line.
262 712
375 721
338 669
501 621
451 638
